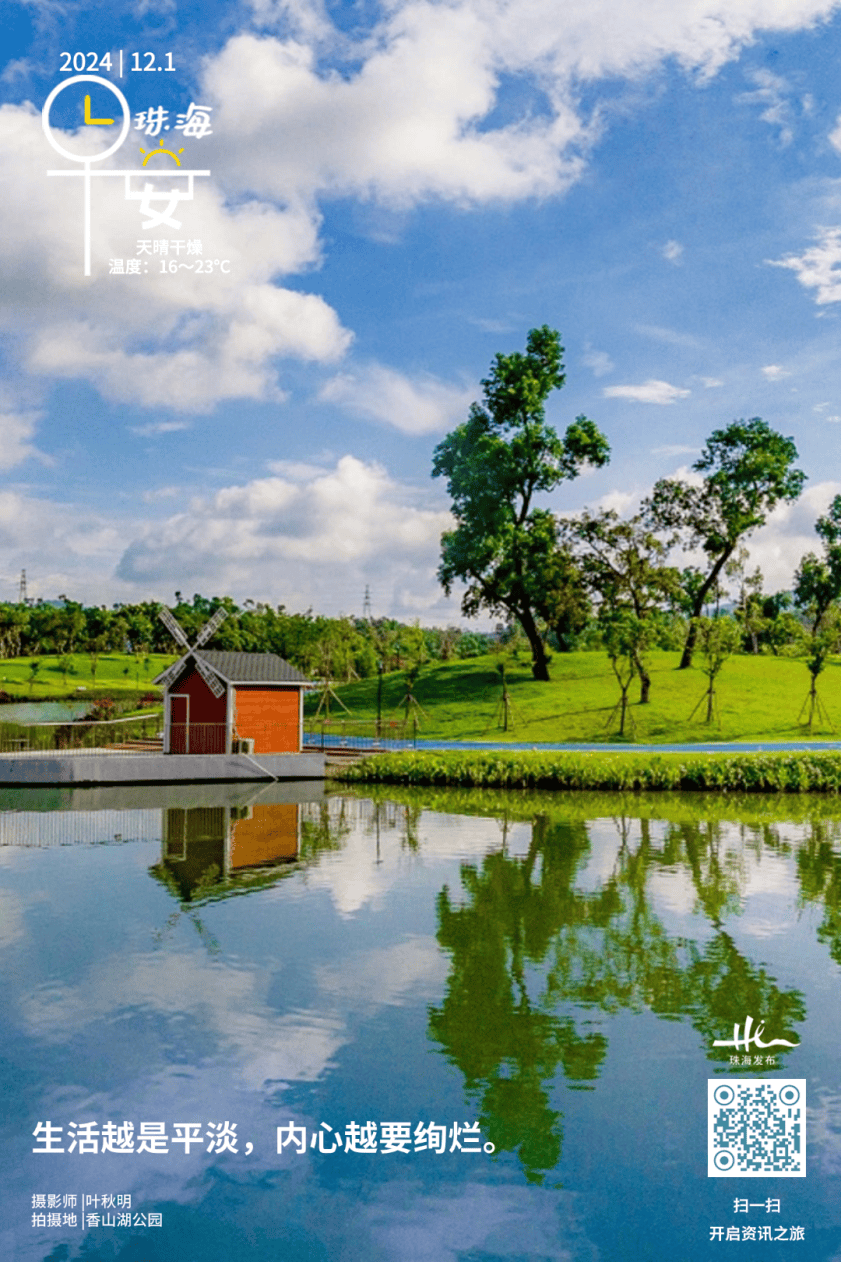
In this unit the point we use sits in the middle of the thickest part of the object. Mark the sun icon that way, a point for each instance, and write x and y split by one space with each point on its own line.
161 149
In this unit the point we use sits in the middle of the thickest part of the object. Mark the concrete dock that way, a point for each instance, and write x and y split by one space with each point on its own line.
72 767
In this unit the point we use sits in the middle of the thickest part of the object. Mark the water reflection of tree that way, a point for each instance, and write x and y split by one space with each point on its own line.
819 870
507 1045
524 942
325 827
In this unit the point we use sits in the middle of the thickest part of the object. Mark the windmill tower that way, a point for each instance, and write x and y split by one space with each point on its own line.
193 723
219 702
175 629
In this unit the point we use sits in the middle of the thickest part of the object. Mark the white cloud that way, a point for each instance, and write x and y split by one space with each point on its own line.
17 428
296 470
492 326
789 533
158 427
183 342
402 129
621 502
817 267
161 493
500 1221
673 252
422 405
599 362
303 540
651 391
835 135
17 70
674 449
671 337
711 383
772 92
306 19
64 548
405 123
774 372
407 118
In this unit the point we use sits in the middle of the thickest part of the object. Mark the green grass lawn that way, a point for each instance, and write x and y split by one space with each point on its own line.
116 673
758 698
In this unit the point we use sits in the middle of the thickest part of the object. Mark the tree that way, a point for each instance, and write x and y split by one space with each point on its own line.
749 604
818 648
495 464
718 639
817 590
817 583
749 470
96 647
34 667
66 666
566 604
626 638
623 565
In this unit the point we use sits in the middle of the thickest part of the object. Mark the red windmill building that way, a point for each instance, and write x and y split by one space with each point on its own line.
228 703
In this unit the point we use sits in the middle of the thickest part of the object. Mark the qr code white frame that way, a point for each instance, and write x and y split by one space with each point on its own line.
790 1101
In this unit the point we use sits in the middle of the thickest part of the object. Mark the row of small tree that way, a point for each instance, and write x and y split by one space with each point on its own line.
555 575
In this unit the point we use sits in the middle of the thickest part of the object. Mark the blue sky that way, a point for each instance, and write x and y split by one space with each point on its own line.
402 191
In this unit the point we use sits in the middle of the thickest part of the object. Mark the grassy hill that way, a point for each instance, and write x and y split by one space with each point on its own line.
758 698
115 673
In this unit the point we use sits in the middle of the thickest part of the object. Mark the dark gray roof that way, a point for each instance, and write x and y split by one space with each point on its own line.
251 668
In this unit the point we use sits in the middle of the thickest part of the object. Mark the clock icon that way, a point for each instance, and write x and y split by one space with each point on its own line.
89 122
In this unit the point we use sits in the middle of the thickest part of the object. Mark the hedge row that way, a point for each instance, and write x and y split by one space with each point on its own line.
784 772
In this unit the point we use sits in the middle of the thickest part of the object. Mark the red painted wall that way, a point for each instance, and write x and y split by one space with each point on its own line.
205 731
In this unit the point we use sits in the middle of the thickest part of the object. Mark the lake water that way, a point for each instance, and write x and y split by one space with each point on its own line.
211 964
44 711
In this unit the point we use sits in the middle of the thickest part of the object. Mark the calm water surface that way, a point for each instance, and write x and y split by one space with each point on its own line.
44 711
555 968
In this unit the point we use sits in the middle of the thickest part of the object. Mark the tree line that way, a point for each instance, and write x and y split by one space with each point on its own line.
563 578
340 648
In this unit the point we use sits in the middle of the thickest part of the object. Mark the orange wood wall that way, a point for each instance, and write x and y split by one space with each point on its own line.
270 834
270 717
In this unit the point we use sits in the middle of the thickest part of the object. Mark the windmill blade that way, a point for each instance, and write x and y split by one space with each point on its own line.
173 627
213 682
211 626
169 676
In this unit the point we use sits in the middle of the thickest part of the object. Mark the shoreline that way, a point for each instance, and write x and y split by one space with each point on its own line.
784 771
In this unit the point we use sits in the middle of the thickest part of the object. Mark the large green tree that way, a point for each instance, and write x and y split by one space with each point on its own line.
623 564
496 464
749 469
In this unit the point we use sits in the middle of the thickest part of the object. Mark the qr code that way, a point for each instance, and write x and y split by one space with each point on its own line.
757 1128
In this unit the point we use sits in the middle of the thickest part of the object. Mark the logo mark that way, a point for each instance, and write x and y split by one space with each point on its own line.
744 1041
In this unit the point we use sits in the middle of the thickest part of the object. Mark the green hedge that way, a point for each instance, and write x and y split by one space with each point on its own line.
783 772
